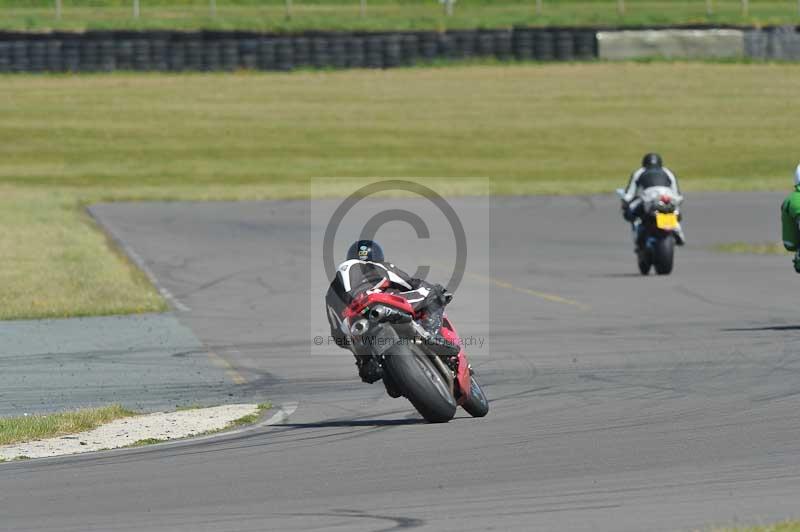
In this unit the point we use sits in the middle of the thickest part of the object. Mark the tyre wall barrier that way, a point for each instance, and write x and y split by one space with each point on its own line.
227 51
782 44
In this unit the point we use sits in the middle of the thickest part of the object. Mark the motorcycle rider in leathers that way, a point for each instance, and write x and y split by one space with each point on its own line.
790 220
651 174
365 271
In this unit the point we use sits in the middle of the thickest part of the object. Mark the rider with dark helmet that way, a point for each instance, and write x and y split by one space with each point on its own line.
365 270
652 173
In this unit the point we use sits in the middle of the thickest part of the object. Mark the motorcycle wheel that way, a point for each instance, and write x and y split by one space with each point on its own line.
643 259
477 405
664 253
420 381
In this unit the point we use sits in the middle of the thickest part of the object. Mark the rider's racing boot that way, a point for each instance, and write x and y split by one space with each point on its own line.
368 369
441 346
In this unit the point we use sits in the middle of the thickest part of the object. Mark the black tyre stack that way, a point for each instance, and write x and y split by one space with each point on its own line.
503 45
71 48
543 46
355 52
302 52
522 44
485 44
428 46
55 57
5 56
248 53
124 54
320 58
337 51
37 51
229 54
392 51
212 57
266 54
284 54
141 55
213 51
374 52
19 56
89 50
564 46
466 43
585 45
409 46
193 52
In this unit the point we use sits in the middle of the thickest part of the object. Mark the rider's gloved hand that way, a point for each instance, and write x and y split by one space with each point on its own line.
627 213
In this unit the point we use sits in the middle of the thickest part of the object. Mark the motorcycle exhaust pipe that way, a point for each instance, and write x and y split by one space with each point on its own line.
383 313
359 328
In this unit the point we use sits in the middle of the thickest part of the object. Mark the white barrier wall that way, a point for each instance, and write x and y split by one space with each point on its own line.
675 43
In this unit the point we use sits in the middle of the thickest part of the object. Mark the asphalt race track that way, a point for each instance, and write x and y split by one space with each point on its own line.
618 402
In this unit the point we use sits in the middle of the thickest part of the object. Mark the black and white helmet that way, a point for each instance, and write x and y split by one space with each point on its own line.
365 250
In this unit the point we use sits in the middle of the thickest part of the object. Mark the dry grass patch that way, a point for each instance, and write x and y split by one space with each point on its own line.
36 427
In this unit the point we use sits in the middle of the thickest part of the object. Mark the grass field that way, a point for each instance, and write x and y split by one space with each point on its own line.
579 128
383 14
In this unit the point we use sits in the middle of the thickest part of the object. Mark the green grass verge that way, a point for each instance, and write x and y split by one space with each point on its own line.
36 427
765 248
250 418
534 129
271 15
788 526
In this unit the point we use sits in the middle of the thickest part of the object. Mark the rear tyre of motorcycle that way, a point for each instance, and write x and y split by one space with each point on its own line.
477 405
415 375
663 255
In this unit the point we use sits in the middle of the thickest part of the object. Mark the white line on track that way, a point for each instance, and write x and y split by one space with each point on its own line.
140 263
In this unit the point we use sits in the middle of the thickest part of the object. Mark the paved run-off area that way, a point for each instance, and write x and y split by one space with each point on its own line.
147 362
648 404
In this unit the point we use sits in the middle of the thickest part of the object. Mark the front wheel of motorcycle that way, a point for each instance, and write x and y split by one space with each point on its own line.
418 379
477 405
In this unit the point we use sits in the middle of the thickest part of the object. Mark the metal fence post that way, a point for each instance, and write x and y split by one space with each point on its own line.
136 9
213 8
621 7
539 6
58 9
745 8
288 8
709 7
363 8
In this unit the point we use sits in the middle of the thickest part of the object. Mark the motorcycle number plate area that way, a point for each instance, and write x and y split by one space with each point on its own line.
666 220
383 339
